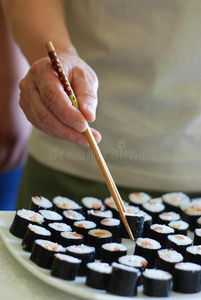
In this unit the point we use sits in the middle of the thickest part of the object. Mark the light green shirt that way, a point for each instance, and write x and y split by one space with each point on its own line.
147 55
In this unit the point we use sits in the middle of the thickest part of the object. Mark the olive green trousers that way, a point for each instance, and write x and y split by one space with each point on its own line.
40 180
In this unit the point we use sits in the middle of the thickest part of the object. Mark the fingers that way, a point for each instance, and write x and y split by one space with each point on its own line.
48 107
85 86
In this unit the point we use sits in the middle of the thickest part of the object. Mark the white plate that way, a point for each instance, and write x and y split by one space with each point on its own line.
77 287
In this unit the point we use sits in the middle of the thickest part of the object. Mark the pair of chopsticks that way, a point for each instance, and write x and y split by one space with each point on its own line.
90 138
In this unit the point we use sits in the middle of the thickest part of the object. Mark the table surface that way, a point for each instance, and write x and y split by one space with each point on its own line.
18 283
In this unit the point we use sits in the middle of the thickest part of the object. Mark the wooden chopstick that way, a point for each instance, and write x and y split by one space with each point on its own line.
90 138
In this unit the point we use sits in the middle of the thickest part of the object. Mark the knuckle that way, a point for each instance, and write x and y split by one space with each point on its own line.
45 121
49 96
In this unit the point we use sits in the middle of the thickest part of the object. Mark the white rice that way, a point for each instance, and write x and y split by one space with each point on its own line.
80 249
198 231
65 203
100 267
110 202
157 274
176 199
100 213
39 230
68 258
114 247
92 202
73 215
60 226
100 233
139 198
110 222
188 266
30 215
50 245
74 235
182 225
85 224
148 243
159 199
170 255
132 209
133 261
41 201
196 249
50 214
147 217
161 228
123 267
153 206
192 209
199 220
169 216
180 239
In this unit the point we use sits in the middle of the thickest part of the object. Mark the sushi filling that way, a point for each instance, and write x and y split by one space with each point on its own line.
39 230
170 255
157 274
30 215
91 202
65 203
148 243
135 261
180 239
100 267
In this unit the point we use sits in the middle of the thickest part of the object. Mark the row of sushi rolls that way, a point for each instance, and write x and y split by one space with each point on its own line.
87 240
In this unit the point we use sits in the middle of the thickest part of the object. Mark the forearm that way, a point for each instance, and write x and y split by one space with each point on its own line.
33 23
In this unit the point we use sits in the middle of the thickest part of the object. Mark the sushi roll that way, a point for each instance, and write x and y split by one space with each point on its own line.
113 225
83 227
160 232
110 205
137 199
193 254
38 203
147 248
198 223
190 213
83 252
50 216
56 228
132 209
197 237
147 223
153 208
173 201
156 283
98 237
68 238
71 216
91 203
111 252
65 266
187 278
178 242
24 217
167 217
60 204
123 280
43 253
97 216
167 258
136 224
98 275
135 261
33 233
180 227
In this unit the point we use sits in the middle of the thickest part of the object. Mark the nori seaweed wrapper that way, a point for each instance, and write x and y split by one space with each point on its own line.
64 269
156 287
122 282
186 281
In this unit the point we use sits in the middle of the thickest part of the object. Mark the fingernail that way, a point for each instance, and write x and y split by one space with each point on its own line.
83 141
79 126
